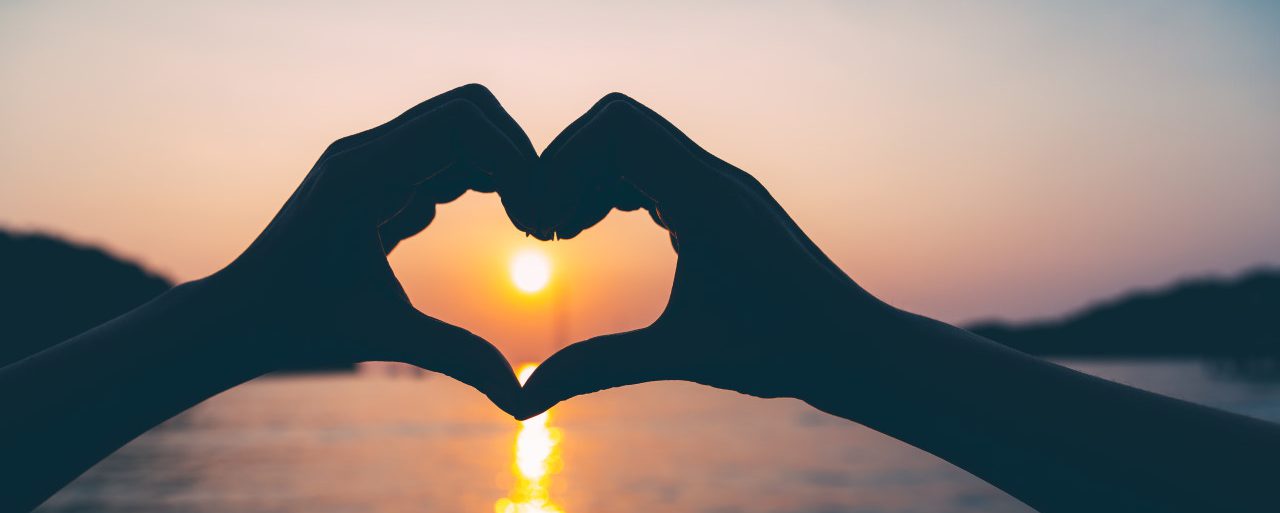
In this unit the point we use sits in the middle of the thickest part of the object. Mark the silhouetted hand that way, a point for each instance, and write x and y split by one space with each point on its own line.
754 303
317 284
757 308
314 288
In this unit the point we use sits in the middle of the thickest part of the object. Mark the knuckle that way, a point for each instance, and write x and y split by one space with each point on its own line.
474 92
477 93
341 165
343 144
612 121
619 111
614 97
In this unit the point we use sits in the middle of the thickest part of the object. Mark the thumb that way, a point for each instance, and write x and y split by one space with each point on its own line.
406 335
593 365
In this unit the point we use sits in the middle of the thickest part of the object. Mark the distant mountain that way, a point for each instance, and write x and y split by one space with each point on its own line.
1204 317
51 290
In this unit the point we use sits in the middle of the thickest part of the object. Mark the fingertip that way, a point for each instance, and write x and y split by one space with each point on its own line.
627 198
526 409
529 413
590 366
508 397
482 181
537 394
544 235
455 352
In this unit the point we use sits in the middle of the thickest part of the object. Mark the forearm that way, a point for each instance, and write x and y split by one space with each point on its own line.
1057 439
71 405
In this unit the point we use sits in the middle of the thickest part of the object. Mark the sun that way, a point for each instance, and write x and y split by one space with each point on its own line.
530 270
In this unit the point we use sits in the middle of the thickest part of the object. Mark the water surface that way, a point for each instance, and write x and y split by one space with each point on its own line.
396 444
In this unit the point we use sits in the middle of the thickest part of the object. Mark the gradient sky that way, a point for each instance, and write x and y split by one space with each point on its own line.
1010 159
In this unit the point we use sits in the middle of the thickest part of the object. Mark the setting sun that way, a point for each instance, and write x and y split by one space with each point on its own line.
530 270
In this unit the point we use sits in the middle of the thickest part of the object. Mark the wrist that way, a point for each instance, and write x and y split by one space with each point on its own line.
212 318
209 305
866 359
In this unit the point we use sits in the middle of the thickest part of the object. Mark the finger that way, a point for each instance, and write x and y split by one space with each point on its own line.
559 195
565 135
475 93
485 101
580 207
402 334
745 179
760 196
450 183
623 196
692 147
706 157
444 187
593 365
620 142
511 183
419 149
408 222
590 208
594 205
498 115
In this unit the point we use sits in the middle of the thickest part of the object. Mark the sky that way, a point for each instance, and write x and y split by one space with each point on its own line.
963 161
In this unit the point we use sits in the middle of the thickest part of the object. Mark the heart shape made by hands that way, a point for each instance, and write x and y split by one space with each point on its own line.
751 291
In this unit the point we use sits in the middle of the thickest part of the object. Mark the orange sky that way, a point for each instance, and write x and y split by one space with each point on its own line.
1000 159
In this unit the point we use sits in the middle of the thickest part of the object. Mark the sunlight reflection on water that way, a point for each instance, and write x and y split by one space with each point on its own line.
536 458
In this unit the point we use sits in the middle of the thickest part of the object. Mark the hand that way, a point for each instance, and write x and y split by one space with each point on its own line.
756 307
317 283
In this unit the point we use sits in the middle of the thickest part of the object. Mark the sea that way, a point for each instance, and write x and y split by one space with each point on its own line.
390 440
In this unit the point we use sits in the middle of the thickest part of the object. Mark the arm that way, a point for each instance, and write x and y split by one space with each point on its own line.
71 405
756 307
315 287
1057 439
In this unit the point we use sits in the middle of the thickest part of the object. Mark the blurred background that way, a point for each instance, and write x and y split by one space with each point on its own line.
1056 176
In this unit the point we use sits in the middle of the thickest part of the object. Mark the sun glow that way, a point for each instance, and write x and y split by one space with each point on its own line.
530 270
535 458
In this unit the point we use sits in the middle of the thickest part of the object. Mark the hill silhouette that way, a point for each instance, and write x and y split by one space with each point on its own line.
51 290
1206 317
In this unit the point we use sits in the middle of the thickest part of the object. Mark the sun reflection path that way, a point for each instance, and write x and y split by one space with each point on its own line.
536 458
